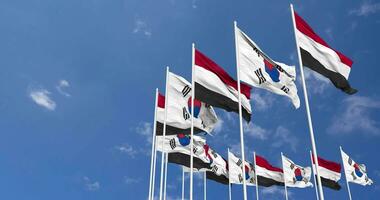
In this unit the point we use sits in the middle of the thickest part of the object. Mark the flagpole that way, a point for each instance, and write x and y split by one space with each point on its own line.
204 186
286 190
153 147
192 121
183 184
315 181
240 112
345 176
257 181
166 174
154 164
314 148
229 180
164 131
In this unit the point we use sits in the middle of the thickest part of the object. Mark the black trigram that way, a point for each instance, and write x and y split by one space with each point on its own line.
186 115
195 149
214 169
214 154
186 90
260 76
239 162
240 178
285 89
172 143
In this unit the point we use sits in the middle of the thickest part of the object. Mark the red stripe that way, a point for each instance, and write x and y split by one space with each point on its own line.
206 63
330 165
260 161
304 28
161 100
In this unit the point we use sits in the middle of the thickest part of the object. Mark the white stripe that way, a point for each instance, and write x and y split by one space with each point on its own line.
326 56
328 174
277 176
212 82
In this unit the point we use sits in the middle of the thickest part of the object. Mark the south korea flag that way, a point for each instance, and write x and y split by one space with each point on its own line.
355 173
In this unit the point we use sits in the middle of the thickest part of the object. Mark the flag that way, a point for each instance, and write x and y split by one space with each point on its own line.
183 159
213 85
268 175
235 169
329 172
179 110
355 173
258 70
295 175
320 57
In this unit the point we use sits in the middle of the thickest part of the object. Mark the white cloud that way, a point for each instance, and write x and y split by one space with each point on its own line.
129 180
218 126
274 190
62 84
315 82
127 149
41 97
366 8
91 185
194 4
329 33
255 131
284 137
262 102
145 129
142 28
355 115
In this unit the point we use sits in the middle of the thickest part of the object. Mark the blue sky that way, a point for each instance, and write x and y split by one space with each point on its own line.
77 88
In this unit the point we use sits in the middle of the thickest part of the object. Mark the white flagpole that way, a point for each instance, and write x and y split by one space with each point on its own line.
315 181
166 174
154 166
183 184
192 121
240 112
257 181
204 186
229 180
307 107
345 176
152 160
286 190
164 131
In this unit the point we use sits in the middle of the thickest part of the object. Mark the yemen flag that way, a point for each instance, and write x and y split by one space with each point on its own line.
320 57
329 172
216 87
268 175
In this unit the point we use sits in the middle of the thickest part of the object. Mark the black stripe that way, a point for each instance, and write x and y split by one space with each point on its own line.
184 160
220 179
171 130
337 79
267 182
217 100
329 183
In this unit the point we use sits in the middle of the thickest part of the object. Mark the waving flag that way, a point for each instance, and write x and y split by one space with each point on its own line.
329 172
320 57
268 175
355 173
235 168
258 70
179 110
214 86
295 175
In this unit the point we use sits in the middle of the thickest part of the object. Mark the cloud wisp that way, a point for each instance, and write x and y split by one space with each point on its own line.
355 115
366 8
141 27
91 185
62 85
42 98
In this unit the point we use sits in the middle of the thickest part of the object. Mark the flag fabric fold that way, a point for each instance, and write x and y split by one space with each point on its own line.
258 70
268 175
213 85
235 171
295 175
355 173
319 56
179 110
329 172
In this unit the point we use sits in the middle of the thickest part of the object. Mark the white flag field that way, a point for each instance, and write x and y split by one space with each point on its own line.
295 175
258 70
355 173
